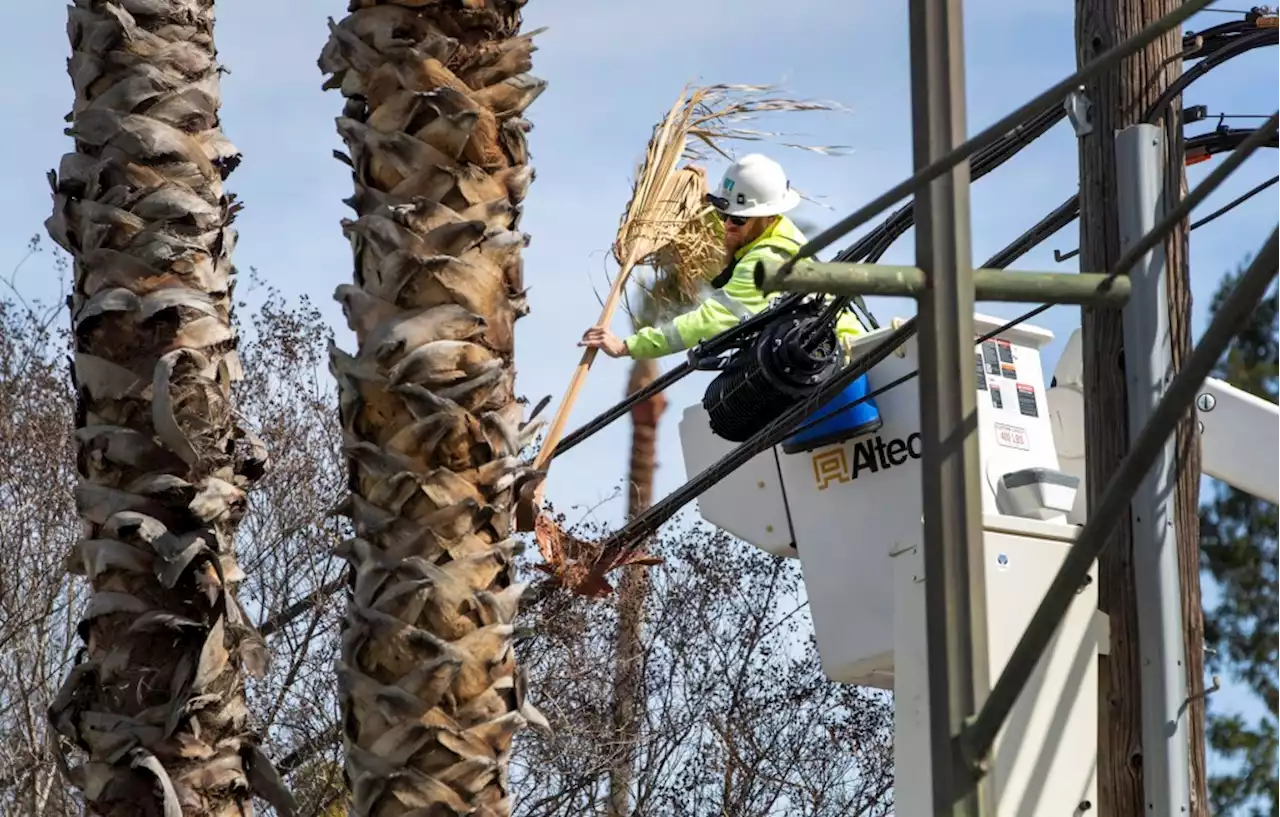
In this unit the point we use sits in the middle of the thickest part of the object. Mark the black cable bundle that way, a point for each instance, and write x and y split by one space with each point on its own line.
779 369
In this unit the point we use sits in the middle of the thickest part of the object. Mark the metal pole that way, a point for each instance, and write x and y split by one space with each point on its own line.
955 612
1140 166
1143 243
1015 286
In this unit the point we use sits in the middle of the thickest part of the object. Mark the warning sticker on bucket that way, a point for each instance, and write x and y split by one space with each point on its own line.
1012 437
1027 400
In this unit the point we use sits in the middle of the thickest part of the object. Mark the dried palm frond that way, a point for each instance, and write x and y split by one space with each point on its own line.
715 109
663 199
695 254
680 268
667 224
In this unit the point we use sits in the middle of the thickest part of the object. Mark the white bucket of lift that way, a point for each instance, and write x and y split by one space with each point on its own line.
845 508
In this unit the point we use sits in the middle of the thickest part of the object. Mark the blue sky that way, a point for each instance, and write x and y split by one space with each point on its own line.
613 69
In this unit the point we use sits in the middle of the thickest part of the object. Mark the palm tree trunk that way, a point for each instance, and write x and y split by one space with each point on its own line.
430 691
156 698
628 702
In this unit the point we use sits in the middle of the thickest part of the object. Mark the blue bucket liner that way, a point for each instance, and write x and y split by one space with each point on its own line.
843 424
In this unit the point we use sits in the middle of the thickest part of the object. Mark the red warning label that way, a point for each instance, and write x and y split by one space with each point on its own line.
1027 400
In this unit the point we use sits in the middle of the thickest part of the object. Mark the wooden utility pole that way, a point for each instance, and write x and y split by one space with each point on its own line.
1119 99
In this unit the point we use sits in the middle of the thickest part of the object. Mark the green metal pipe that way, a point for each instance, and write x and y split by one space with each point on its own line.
1085 288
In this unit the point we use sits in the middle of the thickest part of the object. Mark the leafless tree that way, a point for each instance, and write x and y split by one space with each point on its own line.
39 604
738 718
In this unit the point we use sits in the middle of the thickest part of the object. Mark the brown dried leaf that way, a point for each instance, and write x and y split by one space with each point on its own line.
403 333
93 557
162 407
511 96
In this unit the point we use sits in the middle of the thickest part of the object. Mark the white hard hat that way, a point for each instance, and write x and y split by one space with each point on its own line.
755 185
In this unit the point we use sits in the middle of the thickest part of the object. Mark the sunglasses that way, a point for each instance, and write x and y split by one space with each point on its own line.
721 204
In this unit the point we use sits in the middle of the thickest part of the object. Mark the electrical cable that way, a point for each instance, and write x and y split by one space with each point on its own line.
645 524
1231 50
1221 211
1069 211
587 429
1220 140
1198 45
1058 218
870 247
1233 204
1211 48
995 132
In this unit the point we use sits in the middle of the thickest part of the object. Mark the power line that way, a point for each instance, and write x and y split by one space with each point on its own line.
642 526
1231 40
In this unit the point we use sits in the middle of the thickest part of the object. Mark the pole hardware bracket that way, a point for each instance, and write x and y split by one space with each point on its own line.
1080 111
1204 693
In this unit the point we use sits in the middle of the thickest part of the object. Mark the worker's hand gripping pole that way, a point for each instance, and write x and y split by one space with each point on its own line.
529 497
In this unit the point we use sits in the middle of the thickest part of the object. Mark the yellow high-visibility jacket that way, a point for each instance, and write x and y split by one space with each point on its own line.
736 300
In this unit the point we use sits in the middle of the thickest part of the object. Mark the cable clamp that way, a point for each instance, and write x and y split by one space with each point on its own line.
1080 111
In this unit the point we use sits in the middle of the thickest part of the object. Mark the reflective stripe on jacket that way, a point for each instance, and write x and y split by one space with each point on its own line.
736 300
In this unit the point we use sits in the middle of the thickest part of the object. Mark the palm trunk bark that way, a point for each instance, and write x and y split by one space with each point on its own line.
156 698
628 701
430 690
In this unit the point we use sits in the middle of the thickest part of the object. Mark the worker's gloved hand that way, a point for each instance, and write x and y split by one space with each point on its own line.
600 338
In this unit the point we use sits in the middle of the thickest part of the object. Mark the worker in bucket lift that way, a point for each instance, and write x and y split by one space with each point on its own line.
752 201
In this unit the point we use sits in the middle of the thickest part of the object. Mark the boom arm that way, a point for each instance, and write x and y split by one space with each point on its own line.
1239 433
1239 438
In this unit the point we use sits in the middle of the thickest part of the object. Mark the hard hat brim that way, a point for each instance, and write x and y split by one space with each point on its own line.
774 208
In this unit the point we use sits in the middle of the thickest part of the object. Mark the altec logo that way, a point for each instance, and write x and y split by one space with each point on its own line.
871 455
